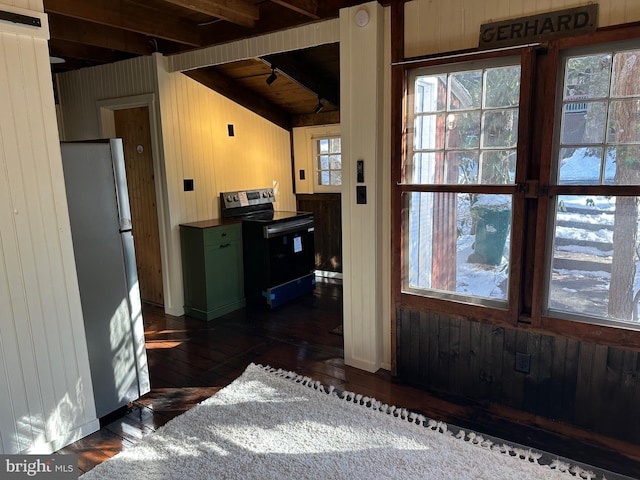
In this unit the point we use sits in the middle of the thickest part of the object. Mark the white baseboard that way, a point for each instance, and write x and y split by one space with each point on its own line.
365 365
47 447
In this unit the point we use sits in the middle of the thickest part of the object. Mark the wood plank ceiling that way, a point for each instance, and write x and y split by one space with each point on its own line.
88 33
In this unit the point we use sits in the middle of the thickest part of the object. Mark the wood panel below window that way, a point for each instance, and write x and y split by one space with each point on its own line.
326 209
579 383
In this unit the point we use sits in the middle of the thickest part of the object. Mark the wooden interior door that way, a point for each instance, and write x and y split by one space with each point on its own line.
132 125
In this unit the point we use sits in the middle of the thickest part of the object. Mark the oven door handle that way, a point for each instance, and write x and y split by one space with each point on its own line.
287 227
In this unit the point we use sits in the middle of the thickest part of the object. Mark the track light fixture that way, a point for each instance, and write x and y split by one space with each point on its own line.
319 106
273 77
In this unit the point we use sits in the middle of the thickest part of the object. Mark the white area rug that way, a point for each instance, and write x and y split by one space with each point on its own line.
272 424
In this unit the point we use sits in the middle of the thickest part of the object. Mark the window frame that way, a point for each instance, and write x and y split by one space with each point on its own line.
314 138
564 48
532 199
497 311
303 140
412 76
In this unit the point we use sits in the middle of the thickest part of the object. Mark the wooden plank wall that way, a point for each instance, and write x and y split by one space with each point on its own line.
328 228
46 399
435 27
132 125
590 386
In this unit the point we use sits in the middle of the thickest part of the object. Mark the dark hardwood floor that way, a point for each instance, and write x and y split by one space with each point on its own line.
191 360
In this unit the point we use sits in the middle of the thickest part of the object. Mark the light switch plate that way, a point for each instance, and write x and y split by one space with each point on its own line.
361 194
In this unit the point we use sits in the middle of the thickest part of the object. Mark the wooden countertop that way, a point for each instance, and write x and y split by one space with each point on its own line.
214 222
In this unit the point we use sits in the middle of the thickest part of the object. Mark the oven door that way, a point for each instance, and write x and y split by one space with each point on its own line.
291 250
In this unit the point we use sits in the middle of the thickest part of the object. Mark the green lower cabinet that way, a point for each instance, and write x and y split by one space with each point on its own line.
212 269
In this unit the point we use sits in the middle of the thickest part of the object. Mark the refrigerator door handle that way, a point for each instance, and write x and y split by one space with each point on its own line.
120 177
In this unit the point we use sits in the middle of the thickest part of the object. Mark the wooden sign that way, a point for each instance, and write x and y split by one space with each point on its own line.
541 27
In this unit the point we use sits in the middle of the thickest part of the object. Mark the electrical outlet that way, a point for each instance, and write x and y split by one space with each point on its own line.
523 362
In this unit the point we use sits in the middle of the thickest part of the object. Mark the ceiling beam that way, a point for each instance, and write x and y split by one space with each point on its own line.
310 119
308 8
306 77
70 65
129 16
242 96
234 11
76 31
272 18
72 50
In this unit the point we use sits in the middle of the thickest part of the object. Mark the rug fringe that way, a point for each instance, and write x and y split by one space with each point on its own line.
473 438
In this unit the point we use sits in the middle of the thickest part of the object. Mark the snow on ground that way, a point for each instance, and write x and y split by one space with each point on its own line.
480 280
582 167
602 235
596 252
580 291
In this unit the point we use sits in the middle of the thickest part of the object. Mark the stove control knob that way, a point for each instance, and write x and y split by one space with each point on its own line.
229 198
235 198
264 194
271 194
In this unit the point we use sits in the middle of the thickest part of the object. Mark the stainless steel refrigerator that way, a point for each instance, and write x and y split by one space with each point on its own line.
98 199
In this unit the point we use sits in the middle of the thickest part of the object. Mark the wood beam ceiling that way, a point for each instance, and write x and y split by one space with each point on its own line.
129 16
238 12
73 30
82 52
306 76
272 18
322 118
308 8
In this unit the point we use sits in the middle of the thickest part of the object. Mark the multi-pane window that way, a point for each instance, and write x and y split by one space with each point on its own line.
463 130
465 126
595 253
328 153
458 185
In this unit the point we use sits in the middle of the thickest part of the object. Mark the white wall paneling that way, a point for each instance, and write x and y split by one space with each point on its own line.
310 35
385 193
34 6
46 396
80 90
362 67
436 27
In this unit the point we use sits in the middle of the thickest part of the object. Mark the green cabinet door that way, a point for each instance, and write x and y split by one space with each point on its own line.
212 270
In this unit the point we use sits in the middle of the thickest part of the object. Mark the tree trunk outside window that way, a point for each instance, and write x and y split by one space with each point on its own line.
623 267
